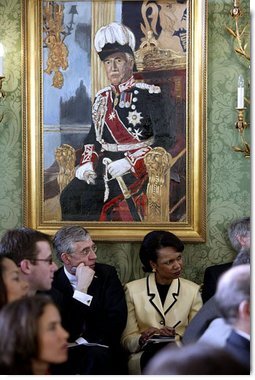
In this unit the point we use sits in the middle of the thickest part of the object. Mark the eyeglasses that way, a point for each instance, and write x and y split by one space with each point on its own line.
86 251
49 260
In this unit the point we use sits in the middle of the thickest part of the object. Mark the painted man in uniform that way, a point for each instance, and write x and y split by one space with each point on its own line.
129 119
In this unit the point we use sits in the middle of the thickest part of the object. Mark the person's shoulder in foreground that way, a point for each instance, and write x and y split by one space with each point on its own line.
194 359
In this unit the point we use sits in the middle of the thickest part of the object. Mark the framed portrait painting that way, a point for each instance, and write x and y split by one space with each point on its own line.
114 124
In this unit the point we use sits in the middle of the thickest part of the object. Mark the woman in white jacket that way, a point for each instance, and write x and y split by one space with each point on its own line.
162 303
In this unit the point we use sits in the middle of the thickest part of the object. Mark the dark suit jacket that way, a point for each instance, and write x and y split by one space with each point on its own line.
197 326
239 347
104 320
211 277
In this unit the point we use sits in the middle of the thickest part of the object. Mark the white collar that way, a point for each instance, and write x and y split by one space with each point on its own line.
71 277
243 334
125 85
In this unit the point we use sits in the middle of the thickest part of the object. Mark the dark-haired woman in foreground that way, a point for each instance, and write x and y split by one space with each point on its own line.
162 302
32 337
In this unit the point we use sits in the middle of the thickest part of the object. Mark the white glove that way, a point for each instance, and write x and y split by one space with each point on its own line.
119 167
86 173
84 276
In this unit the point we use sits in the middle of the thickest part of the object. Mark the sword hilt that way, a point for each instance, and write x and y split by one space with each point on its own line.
125 191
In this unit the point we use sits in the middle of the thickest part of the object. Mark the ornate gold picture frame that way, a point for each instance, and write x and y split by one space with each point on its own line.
61 77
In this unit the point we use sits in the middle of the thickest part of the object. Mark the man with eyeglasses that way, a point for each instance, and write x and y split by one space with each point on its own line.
32 252
93 297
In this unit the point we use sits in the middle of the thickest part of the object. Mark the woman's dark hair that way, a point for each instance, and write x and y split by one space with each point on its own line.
19 343
3 290
154 241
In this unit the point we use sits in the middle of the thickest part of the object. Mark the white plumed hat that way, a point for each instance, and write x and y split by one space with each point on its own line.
112 38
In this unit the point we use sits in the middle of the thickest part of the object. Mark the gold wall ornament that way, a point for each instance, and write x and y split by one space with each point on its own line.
238 33
54 34
158 164
2 95
241 125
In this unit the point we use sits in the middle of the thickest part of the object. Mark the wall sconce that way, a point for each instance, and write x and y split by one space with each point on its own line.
2 93
242 49
241 124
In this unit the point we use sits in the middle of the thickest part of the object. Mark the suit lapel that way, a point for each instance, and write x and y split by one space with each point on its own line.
171 298
172 295
153 295
63 283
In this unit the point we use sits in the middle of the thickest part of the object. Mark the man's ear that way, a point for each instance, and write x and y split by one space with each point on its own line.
25 266
244 309
65 258
243 240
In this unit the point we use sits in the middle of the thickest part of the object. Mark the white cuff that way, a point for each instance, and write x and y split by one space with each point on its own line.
88 166
83 297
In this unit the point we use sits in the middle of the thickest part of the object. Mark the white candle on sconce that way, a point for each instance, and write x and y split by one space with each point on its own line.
1 60
240 92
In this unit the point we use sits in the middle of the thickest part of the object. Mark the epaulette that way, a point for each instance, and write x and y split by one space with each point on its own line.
105 89
150 87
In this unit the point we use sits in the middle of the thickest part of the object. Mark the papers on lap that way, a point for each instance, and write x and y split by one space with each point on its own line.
159 339
85 343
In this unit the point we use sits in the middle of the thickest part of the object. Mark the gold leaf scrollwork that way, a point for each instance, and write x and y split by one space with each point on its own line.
54 40
157 52
242 48
158 163
65 156
239 34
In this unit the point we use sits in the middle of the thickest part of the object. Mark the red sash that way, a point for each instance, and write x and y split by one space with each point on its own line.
117 128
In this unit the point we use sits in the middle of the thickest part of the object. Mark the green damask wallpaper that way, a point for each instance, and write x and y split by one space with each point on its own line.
228 181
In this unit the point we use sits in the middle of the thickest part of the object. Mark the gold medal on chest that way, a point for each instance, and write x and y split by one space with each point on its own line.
116 100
